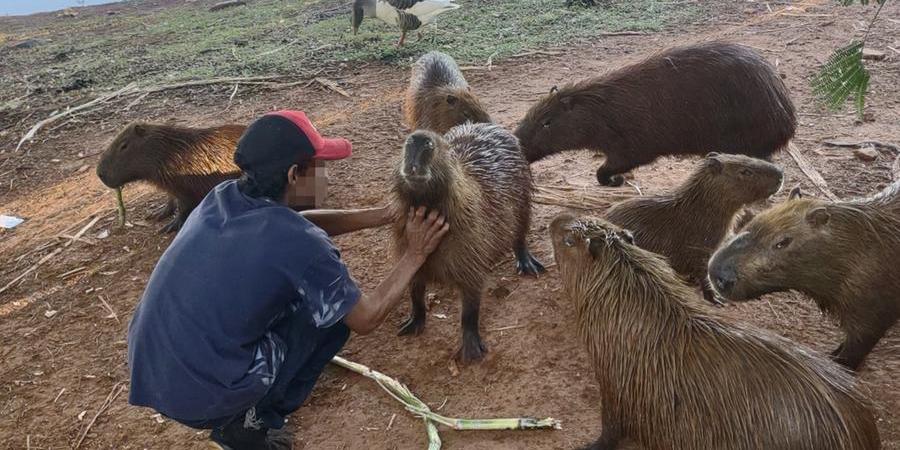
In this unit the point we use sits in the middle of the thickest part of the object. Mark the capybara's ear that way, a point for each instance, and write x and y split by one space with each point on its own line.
795 193
626 236
139 130
714 163
818 217
554 89
595 246
566 102
712 154
451 99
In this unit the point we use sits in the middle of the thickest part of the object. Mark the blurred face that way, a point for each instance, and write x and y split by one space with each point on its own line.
308 188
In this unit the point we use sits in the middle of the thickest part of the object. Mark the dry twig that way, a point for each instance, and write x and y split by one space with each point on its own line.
587 198
810 171
116 390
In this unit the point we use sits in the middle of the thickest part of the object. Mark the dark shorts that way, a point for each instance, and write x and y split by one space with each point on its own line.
309 349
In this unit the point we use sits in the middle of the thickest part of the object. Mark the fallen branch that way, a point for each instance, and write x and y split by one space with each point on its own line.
332 85
810 171
50 255
417 407
588 198
226 4
858 144
116 390
537 52
53 118
623 33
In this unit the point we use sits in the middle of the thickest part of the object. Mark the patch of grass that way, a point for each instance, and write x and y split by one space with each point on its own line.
190 42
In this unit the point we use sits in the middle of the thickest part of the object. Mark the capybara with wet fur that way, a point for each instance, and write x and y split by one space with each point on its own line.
687 225
476 177
842 254
673 375
186 163
709 97
438 97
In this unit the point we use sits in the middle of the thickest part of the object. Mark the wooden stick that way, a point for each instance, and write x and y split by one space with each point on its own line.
810 171
112 314
72 272
858 144
116 390
623 33
53 118
332 85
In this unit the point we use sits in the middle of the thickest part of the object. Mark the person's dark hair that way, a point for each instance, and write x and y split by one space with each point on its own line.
270 184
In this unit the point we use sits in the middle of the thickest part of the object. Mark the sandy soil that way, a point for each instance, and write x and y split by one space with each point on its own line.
62 352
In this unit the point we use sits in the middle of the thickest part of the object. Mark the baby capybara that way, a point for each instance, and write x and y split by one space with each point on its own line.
186 163
841 254
476 177
687 225
438 97
687 100
674 376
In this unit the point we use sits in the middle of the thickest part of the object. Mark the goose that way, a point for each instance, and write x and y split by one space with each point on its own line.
409 15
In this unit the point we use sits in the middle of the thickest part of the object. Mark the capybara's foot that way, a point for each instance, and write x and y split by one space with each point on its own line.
172 227
711 296
611 180
528 265
162 213
413 326
472 350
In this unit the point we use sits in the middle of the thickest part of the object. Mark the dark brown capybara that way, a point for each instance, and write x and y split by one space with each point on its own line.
687 225
186 163
438 97
695 99
476 177
673 375
839 253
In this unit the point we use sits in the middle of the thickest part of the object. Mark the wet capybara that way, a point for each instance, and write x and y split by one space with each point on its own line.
841 254
476 177
186 163
694 99
687 225
438 97
673 375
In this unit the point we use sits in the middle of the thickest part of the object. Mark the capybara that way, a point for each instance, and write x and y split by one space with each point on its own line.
673 375
186 163
694 99
438 97
841 254
687 225
476 177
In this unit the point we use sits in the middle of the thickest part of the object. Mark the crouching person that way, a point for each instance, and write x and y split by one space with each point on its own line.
251 300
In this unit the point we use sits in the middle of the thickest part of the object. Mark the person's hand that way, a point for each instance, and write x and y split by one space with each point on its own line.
423 233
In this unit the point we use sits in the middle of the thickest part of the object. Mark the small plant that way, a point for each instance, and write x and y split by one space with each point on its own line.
844 75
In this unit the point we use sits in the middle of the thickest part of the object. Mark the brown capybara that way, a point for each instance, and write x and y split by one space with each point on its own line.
695 99
839 253
186 163
673 375
687 225
438 97
476 177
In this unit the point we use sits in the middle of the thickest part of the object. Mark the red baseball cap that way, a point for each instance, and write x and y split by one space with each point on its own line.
280 139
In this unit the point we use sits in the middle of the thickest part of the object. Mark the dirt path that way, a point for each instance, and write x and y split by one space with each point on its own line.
63 352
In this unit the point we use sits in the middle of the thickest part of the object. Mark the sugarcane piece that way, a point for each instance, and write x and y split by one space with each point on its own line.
403 395
120 204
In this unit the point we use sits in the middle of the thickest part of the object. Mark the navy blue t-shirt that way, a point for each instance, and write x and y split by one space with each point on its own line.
200 344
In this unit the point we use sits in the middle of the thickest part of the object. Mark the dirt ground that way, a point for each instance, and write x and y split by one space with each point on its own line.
62 328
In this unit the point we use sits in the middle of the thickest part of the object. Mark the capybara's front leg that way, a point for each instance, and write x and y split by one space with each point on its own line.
526 263
472 348
854 349
416 322
184 208
709 294
165 211
608 440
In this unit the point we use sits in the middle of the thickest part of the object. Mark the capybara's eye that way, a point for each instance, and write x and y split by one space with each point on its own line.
746 172
784 242
547 123
568 241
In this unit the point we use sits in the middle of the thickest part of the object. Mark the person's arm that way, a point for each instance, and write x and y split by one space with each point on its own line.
338 221
423 234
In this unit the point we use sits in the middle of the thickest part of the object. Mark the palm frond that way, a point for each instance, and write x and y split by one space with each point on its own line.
843 76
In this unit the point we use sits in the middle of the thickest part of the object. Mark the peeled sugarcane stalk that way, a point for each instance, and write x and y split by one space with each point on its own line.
121 207
402 394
